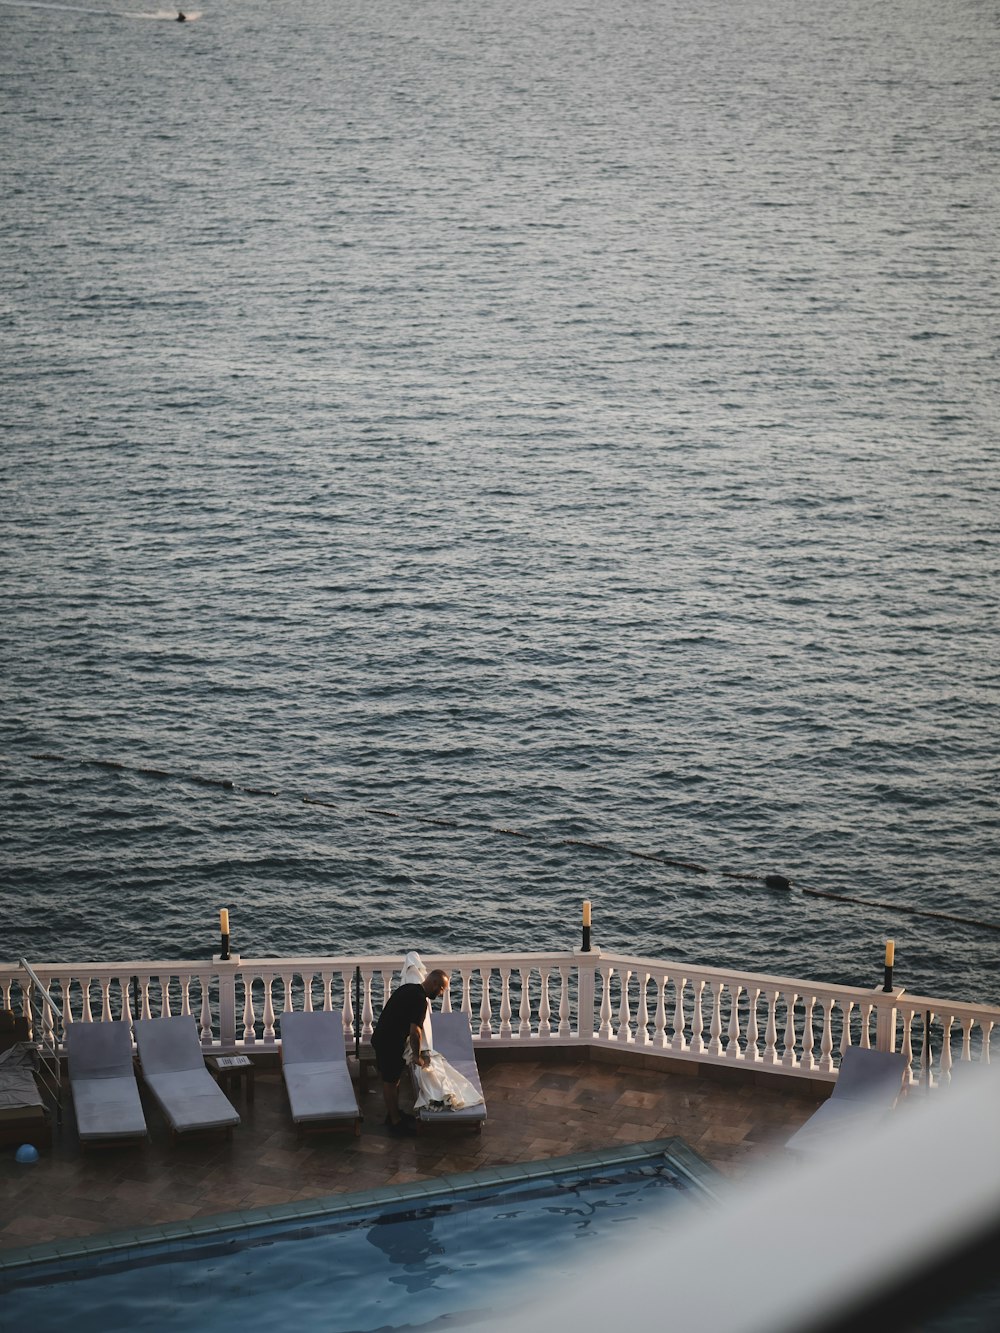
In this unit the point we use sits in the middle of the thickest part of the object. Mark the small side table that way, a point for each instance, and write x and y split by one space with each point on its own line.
367 1066
230 1069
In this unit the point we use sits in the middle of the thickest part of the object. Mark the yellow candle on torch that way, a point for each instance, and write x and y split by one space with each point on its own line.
586 913
224 920
890 952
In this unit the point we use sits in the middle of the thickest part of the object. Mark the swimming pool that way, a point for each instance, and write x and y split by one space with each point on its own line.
439 1258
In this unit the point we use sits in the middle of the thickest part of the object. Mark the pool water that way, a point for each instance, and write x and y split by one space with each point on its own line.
446 1263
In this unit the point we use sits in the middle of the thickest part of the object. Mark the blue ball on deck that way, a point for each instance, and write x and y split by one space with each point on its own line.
26 1153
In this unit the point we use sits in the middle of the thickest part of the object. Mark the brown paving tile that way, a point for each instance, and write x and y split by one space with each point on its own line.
638 1098
722 1134
559 1082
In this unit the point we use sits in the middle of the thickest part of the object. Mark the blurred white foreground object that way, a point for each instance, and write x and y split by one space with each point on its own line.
811 1240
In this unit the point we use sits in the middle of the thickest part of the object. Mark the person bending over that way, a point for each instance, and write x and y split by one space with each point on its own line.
402 1021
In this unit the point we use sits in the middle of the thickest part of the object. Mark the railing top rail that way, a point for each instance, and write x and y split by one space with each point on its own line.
766 980
183 966
919 1004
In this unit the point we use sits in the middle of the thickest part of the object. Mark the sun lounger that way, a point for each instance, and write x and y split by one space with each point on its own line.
173 1067
102 1081
453 1040
314 1067
24 1117
867 1088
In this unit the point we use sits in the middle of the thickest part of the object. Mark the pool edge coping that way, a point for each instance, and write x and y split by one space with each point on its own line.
63 1255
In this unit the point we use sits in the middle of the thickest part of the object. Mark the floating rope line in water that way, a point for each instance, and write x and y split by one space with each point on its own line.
770 881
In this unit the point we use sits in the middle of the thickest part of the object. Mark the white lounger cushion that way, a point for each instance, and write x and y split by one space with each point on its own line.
102 1081
314 1066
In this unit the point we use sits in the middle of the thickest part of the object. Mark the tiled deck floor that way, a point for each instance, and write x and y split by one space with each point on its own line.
536 1110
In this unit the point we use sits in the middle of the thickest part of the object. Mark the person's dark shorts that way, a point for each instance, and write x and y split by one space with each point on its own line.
389 1064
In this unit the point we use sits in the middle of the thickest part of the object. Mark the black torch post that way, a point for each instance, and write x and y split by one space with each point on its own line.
224 931
586 927
890 954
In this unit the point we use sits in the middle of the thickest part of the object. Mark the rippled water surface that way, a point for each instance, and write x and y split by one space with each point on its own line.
574 418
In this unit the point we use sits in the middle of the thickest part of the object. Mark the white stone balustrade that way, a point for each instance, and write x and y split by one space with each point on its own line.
675 1011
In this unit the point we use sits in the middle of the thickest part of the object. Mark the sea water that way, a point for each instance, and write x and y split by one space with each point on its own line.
570 418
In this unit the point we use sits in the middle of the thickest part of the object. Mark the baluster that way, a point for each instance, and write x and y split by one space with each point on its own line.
678 1041
984 1055
698 1021
307 991
467 996
826 1043
642 1018
605 1030
845 1036
144 987
87 1016
946 1060
733 1050
966 1039
788 1059
185 985
206 1013
67 1012
771 1033
48 1026
715 1045
446 1001
908 1048
348 1010
544 1030
524 1011
249 1017
866 1025
485 1008
105 1001
752 1053
367 1013
269 1007
505 1010
624 1008
926 1053
165 1009
565 1027
660 1013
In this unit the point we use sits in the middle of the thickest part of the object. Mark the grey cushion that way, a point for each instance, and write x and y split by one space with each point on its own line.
867 1088
453 1040
102 1081
314 1066
173 1066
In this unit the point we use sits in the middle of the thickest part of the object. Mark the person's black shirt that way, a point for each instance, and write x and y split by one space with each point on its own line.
405 1006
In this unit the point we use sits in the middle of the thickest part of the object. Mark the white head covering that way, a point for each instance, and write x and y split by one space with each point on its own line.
413 969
